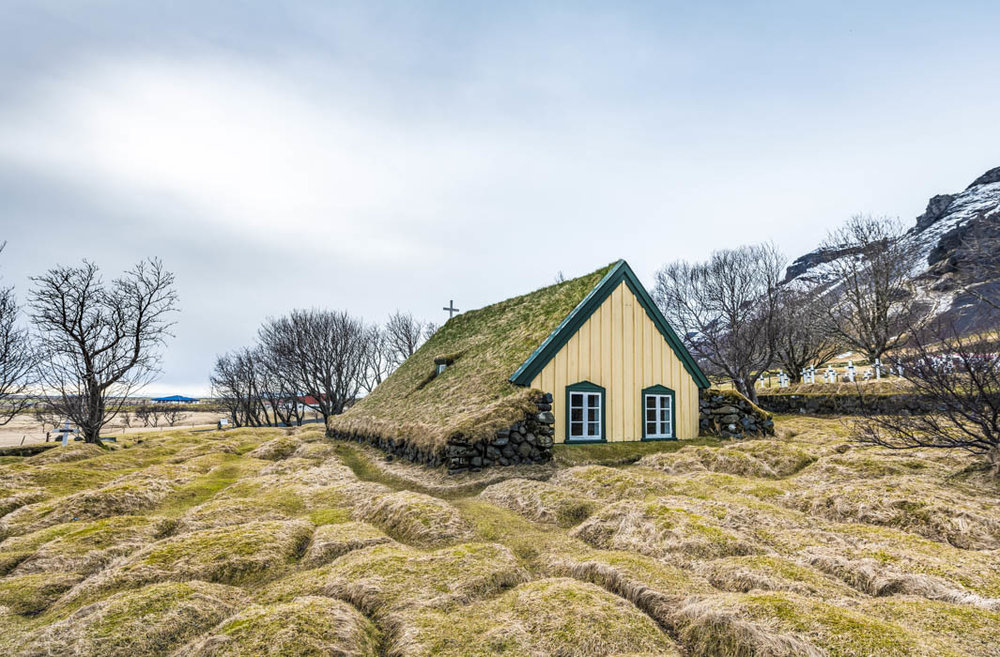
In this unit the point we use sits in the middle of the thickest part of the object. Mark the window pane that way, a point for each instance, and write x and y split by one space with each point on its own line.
576 415
592 414
650 401
663 415
651 428
595 429
575 399
576 429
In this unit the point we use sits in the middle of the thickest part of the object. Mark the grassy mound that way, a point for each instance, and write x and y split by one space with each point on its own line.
540 501
126 498
917 505
546 617
276 449
332 541
86 548
257 551
31 594
304 627
606 483
225 513
387 578
702 459
69 453
772 573
660 529
414 518
787 624
150 621
972 632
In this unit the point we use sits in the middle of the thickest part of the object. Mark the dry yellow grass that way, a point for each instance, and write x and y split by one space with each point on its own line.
186 543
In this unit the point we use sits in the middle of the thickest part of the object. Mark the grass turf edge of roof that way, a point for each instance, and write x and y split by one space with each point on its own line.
473 398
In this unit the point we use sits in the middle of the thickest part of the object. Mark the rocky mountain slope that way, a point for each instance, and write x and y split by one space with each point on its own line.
945 269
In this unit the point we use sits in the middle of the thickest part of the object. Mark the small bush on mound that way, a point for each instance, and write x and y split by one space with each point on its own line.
414 518
771 573
112 500
659 529
88 547
150 621
226 513
332 541
546 617
304 627
277 449
252 552
387 578
31 594
602 482
540 501
787 625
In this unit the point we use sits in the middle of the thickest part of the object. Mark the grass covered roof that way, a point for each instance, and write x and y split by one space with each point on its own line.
473 397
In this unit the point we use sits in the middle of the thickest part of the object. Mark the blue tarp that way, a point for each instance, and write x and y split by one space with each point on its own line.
175 398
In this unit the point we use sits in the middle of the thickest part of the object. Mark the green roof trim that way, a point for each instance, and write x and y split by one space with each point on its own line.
546 351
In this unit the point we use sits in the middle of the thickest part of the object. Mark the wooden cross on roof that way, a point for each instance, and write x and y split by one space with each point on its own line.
451 309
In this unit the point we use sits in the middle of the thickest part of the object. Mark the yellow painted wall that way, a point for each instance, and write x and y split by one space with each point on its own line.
620 349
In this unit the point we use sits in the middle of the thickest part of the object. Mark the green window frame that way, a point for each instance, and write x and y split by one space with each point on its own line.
662 413
583 416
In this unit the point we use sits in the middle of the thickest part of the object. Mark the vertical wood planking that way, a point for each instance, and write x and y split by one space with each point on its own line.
621 349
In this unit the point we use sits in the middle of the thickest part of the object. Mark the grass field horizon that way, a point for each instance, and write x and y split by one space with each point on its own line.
284 542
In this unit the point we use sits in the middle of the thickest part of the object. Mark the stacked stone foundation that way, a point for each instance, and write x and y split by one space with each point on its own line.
527 441
729 414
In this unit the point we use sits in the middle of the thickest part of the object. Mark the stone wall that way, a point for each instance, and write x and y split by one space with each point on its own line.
527 441
850 404
728 414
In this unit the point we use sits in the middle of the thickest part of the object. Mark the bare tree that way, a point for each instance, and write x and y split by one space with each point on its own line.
727 310
236 383
801 338
869 307
173 414
958 378
100 342
381 357
429 330
325 353
403 336
18 358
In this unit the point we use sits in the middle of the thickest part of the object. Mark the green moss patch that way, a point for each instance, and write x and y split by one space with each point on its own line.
304 627
276 449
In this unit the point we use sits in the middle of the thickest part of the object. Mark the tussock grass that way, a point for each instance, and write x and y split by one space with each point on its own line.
547 617
540 501
31 594
122 498
86 548
149 621
772 573
473 396
258 551
15 499
414 518
391 578
968 631
703 459
332 541
217 513
67 454
606 483
277 449
304 627
662 528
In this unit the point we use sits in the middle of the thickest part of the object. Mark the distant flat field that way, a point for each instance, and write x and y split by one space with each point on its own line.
27 428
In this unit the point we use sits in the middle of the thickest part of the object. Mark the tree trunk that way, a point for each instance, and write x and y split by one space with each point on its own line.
748 388
993 456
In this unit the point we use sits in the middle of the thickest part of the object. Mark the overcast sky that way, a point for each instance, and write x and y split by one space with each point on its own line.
295 154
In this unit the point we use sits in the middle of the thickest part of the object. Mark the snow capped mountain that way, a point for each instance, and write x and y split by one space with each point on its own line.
937 237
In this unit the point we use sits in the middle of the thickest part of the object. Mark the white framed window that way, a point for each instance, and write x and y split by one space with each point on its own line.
658 413
585 412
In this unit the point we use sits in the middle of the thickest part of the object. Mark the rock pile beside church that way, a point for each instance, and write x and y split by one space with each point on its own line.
728 414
